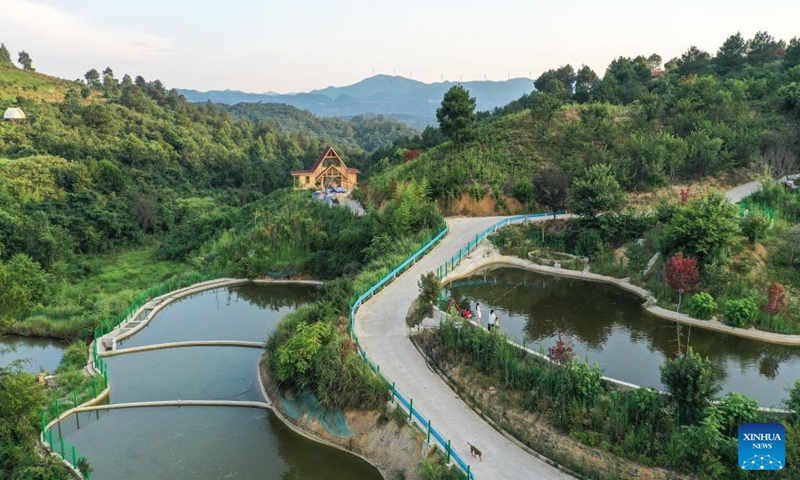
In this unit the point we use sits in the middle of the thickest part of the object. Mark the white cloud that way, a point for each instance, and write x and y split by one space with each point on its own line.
33 26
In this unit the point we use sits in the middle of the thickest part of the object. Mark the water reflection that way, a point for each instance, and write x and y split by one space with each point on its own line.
204 442
609 326
37 353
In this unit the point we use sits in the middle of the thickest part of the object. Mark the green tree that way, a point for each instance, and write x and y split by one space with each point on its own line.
25 60
597 190
544 106
296 357
731 55
791 57
763 48
704 227
23 283
793 402
691 382
655 61
755 225
92 78
5 55
21 399
694 61
551 189
457 114
558 83
585 82
790 96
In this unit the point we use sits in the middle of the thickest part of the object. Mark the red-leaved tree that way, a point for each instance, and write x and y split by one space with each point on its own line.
777 298
682 274
562 351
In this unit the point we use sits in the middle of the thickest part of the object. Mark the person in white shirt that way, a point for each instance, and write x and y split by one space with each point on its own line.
492 318
478 314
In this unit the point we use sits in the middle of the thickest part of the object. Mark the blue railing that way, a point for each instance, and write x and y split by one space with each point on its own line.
448 266
407 404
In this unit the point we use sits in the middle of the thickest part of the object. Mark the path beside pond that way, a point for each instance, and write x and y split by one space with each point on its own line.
381 328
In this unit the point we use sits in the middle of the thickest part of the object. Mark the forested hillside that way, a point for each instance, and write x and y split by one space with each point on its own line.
104 170
699 115
360 132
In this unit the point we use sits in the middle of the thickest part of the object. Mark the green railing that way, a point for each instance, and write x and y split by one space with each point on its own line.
406 404
59 406
449 265
91 390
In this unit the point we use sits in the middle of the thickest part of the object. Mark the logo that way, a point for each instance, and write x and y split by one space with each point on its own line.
762 446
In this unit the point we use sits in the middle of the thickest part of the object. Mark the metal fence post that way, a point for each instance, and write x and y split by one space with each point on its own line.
428 441
393 392
61 442
74 457
410 409
448 451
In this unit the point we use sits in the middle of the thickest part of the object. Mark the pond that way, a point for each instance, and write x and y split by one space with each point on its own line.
608 325
39 353
203 442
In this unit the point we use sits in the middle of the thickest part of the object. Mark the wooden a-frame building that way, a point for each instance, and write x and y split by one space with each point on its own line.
329 171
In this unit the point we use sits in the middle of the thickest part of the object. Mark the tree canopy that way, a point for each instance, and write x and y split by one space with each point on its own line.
457 114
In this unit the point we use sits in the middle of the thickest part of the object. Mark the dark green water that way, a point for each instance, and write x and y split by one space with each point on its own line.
187 443
38 353
609 326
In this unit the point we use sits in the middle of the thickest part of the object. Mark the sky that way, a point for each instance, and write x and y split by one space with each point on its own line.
291 46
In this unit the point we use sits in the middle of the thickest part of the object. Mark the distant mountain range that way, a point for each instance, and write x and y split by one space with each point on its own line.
404 99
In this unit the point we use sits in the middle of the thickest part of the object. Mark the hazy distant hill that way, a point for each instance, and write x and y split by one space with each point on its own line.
407 100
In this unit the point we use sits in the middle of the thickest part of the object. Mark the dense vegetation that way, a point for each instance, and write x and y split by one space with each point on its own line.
651 126
362 132
311 350
104 181
683 431
743 280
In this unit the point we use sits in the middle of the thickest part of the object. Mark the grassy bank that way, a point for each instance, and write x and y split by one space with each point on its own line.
639 425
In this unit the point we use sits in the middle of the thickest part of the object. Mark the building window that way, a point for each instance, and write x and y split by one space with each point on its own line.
308 179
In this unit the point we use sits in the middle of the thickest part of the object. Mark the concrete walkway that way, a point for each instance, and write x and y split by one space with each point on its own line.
381 328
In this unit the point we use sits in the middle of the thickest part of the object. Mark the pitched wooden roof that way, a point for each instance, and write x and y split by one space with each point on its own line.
328 150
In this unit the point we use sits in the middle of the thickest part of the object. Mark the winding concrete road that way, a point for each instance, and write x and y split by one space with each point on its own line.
381 328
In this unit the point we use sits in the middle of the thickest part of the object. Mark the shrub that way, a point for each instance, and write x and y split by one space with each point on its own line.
740 313
754 226
736 409
793 402
523 192
589 243
75 357
701 305
691 382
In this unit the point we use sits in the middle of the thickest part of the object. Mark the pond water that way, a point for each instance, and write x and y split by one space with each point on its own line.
241 313
39 353
608 325
204 442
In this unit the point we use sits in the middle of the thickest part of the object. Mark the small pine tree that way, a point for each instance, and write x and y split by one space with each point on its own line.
5 55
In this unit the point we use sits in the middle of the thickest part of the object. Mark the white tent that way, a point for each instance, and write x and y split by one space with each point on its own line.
14 114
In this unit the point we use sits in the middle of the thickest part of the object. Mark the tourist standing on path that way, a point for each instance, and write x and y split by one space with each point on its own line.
478 314
492 318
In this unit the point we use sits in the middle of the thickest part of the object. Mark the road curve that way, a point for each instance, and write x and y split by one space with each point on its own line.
381 329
